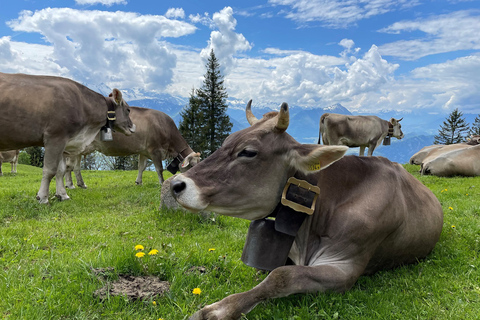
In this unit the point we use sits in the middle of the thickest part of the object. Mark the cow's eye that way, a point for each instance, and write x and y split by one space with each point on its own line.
247 153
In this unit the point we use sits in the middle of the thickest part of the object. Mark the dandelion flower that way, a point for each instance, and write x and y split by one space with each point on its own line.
196 291
139 254
450 208
139 247
153 252
154 303
211 249
453 227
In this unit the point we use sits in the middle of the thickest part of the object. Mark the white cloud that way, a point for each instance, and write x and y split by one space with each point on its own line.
444 33
120 49
103 2
339 13
175 13
225 42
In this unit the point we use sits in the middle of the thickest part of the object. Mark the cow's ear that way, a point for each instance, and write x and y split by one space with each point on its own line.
310 158
116 95
393 121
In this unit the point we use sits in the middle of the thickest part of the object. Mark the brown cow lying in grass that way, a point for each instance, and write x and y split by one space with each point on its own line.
369 214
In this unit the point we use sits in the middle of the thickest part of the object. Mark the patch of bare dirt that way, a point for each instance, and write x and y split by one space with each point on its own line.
132 287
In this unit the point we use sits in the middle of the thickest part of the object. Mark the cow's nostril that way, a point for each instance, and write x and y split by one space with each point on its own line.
177 187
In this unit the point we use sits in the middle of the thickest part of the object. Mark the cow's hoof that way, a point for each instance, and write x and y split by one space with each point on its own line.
70 187
83 186
62 197
42 200
138 183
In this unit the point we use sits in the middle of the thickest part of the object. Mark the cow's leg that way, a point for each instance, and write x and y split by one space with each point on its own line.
68 172
142 164
362 151
157 158
282 282
1 173
14 167
61 192
78 172
53 157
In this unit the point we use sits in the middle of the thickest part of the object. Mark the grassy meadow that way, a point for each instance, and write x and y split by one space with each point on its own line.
48 254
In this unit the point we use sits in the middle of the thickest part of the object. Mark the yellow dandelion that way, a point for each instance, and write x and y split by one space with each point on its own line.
196 291
453 227
154 303
450 208
211 249
139 254
153 252
139 247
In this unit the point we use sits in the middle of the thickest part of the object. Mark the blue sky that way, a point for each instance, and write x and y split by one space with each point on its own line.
367 55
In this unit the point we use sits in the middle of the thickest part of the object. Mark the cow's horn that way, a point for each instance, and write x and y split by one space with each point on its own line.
400 119
250 117
283 117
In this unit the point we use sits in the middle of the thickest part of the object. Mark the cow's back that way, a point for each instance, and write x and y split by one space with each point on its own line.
375 203
35 108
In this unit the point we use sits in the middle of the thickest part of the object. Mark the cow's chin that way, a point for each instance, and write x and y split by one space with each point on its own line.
128 131
239 213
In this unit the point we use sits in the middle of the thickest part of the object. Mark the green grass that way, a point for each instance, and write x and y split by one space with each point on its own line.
47 253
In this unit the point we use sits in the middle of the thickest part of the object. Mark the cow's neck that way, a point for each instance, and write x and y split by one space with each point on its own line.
390 129
269 241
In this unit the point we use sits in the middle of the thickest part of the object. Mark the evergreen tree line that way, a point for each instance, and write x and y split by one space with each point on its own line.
455 129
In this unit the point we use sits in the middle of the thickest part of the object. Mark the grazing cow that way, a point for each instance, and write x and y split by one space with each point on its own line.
156 138
368 213
460 162
9 156
59 114
358 131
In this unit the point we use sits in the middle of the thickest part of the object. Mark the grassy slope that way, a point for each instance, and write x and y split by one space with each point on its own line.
47 252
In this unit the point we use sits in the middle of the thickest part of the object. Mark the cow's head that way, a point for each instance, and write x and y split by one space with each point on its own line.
121 116
245 176
191 160
397 128
473 140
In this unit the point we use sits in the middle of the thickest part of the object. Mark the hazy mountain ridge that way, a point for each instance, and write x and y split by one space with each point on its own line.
418 126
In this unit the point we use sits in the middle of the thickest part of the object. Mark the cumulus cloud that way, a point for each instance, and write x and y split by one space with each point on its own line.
339 13
225 42
444 33
175 13
120 49
104 2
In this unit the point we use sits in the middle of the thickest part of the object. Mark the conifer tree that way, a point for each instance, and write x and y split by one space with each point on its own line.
192 124
453 130
475 129
205 123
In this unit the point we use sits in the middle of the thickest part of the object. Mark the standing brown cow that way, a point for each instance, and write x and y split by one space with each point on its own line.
59 114
358 131
9 156
156 138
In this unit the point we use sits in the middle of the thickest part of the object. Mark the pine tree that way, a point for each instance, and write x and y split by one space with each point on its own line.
453 130
205 123
192 123
475 129
36 155
212 96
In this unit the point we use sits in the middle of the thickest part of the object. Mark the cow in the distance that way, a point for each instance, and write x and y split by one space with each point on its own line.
9 156
460 162
59 114
429 153
358 131
337 218
156 138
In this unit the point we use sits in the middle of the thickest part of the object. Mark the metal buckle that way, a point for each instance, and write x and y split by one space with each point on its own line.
109 117
297 206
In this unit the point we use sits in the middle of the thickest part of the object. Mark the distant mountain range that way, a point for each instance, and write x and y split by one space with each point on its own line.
419 126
